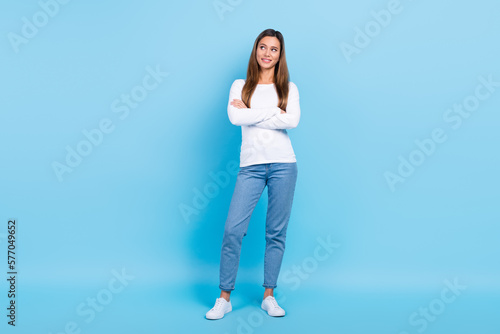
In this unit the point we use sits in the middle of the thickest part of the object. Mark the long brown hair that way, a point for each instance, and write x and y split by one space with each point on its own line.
281 77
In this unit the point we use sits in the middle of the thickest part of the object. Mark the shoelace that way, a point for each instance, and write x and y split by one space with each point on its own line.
274 302
218 305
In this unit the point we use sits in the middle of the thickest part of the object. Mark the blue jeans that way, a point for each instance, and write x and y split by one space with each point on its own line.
280 179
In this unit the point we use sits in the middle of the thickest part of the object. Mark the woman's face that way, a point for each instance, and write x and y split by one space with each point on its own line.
268 52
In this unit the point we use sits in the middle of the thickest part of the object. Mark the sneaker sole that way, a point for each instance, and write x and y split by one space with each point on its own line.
275 316
226 312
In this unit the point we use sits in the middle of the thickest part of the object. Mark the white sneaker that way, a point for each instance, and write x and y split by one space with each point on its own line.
220 308
271 306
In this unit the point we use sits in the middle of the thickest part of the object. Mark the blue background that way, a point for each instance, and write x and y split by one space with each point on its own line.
121 207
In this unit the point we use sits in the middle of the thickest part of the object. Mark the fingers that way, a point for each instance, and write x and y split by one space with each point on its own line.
238 103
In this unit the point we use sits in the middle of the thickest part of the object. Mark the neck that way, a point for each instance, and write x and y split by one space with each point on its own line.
267 75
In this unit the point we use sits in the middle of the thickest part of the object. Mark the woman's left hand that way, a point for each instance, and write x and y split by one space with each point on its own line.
238 104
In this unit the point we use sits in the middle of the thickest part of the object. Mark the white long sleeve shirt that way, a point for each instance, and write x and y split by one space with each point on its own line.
264 138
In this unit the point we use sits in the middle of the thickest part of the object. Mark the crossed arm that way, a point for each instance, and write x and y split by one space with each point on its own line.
266 118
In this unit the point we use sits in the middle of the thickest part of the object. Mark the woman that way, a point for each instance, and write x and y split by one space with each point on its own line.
264 105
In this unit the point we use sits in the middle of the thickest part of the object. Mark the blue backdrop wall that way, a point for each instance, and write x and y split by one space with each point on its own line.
119 163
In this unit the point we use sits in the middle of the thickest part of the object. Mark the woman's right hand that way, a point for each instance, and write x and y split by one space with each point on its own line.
283 112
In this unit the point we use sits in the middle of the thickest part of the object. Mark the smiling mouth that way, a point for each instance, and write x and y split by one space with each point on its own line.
266 60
